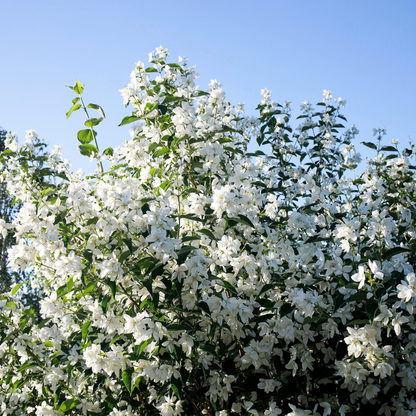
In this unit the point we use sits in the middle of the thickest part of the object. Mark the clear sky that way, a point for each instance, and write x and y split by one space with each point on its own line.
363 51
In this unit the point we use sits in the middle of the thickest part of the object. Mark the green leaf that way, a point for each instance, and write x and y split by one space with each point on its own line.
47 192
242 219
98 108
109 151
92 221
190 238
68 405
162 151
75 107
27 366
315 239
204 306
389 149
128 120
208 233
78 87
187 249
177 327
87 149
113 287
233 150
85 136
370 145
129 244
192 217
85 329
393 251
151 69
172 98
90 122
184 252
70 284
48 344
371 307
8 152
226 285
75 100
176 386
16 288
267 287
209 349
91 286
124 256
144 344
127 378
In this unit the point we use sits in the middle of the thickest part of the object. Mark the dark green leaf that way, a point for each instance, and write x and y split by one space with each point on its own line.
68 405
190 238
148 285
127 378
204 306
285 309
27 366
162 151
113 287
151 69
388 149
267 287
87 149
85 136
370 145
371 307
129 244
104 303
393 251
128 120
171 98
176 387
177 327
242 219
208 349
226 285
90 122
208 233
124 256
92 221
109 151
98 108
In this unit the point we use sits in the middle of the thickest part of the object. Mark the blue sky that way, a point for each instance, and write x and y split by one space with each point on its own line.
363 51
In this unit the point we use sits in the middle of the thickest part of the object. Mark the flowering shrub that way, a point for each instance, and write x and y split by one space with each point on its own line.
192 277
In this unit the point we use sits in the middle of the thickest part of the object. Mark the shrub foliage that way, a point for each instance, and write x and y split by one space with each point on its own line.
188 276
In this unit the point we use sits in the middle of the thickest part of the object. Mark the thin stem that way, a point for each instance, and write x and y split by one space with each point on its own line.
131 299
99 163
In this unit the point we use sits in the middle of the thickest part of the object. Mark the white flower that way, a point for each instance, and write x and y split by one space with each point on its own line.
407 290
359 277
375 270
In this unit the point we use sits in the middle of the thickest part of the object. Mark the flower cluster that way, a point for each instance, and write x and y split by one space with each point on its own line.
194 277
